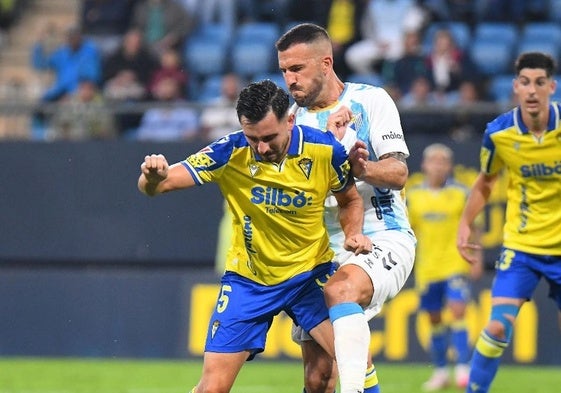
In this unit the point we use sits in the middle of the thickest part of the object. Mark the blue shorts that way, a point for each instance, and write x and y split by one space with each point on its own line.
456 288
518 274
245 309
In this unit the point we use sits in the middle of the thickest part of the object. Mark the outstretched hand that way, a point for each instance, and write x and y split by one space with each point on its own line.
359 244
155 168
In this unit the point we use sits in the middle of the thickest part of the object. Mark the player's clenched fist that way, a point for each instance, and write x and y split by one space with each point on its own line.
154 168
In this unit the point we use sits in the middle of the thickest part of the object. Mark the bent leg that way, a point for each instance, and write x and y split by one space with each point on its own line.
320 369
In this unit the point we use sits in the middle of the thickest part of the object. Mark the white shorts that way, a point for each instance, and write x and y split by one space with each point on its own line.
388 265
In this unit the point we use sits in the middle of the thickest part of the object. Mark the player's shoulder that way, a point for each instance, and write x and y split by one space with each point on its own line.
315 135
370 92
502 122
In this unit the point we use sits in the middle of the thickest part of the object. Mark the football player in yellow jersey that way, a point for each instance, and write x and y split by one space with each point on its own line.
275 177
441 274
525 142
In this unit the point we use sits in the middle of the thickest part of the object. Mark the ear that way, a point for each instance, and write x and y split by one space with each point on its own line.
327 64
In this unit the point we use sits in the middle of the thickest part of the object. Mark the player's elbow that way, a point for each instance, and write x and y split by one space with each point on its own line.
399 179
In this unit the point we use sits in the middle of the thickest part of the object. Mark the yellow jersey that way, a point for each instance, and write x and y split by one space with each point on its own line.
435 215
533 211
278 229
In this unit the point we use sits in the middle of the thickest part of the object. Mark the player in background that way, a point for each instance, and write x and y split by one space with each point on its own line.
365 119
442 276
525 142
275 177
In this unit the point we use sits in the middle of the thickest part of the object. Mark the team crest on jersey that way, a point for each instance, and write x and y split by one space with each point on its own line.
215 326
253 169
356 121
201 159
305 165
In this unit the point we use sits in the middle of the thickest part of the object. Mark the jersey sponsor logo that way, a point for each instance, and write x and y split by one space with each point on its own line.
541 169
392 135
273 196
201 159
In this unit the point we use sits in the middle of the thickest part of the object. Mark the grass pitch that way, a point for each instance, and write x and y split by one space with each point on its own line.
25 375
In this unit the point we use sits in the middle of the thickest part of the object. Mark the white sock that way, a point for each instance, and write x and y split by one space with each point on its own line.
352 338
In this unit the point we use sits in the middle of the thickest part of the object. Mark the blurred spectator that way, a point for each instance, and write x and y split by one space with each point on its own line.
343 26
128 70
126 76
466 97
172 120
408 67
219 117
76 59
83 116
448 65
105 21
421 95
170 66
164 23
383 26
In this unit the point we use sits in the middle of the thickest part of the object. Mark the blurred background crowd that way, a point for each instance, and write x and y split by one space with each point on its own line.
165 70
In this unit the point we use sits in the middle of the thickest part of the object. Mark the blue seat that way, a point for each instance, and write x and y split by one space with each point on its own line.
542 31
257 31
506 33
204 58
500 88
530 45
491 56
460 31
206 50
210 89
253 50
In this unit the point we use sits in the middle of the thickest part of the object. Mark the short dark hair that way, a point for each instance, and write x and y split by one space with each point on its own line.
535 60
258 98
302 33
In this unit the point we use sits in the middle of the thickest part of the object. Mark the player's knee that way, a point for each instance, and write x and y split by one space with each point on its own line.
320 382
502 319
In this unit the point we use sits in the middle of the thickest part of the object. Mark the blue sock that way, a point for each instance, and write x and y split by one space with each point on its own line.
485 362
459 338
439 345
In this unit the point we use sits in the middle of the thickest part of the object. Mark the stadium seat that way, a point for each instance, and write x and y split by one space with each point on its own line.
459 30
210 88
544 31
506 33
500 88
253 51
204 58
530 45
491 56
206 51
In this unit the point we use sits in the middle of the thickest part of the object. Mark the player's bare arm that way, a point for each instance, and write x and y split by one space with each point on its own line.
157 176
475 203
390 171
351 217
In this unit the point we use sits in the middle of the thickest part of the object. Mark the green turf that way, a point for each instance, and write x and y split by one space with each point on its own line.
23 375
